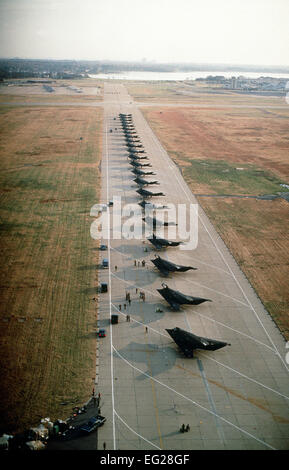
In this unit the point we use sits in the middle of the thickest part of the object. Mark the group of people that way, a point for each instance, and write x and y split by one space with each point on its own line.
137 263
128 298
185 428
142 296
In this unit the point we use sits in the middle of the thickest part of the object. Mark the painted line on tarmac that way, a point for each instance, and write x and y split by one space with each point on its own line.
164 153
195 259
211 401
207 357
201 285
194 402
236 331
216 291
201 315
245 376
109 276
208 390
137 434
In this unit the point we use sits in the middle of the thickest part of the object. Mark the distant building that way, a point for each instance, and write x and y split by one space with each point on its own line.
235 83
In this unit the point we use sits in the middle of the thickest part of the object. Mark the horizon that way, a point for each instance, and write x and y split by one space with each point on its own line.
231 32
152 62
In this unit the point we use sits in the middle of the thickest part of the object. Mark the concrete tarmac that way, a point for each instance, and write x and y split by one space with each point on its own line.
233 398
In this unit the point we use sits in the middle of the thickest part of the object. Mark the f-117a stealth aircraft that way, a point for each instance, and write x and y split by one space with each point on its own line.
137 171
166 267
150 206
132 156
130 134
137 164
128 127
153 222
133 142
161 242
188 342
136 153
132 139
142 182
134 146
125 117
176 298
145 193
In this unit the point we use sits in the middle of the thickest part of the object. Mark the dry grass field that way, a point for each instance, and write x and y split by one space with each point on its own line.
49 181
64 91
195 93
230 151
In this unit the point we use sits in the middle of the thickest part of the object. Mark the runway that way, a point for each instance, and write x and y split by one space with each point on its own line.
233 398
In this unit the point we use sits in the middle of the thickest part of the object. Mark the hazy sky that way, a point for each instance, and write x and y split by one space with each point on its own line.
226 31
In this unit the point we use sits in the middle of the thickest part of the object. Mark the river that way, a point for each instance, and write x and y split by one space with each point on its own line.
182 76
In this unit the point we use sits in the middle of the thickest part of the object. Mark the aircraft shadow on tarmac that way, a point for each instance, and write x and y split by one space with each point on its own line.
134 252
114 176
125 250
117 166
146 312
126 187
145 276
161 357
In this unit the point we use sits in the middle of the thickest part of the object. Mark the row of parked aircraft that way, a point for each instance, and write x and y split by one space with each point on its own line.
141 168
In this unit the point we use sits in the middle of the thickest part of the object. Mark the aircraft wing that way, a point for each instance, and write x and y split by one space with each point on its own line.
176 267
179 297
187 341
169 296
154 242
160 266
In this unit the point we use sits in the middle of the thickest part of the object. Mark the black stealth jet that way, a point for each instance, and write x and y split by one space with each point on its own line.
137 171
137 164
134 146
132 139
130 135
176 298
132 156
166 267
161 242
136 151
142 182
188 342
145 193
153 222
149 206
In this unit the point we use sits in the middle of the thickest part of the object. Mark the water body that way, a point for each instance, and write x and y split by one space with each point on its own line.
182 76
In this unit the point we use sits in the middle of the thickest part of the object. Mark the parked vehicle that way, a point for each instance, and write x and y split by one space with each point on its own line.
103 287
92 424
101 333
